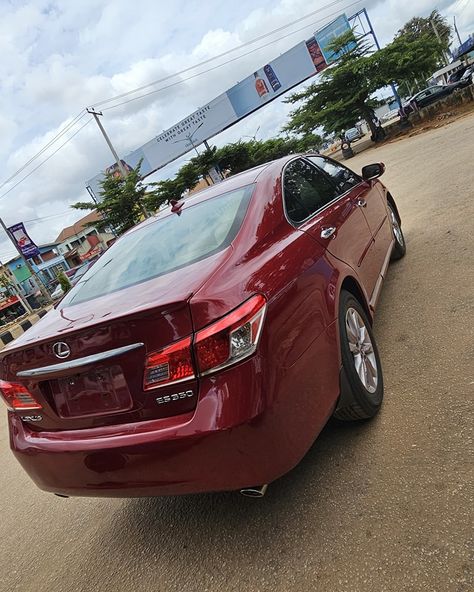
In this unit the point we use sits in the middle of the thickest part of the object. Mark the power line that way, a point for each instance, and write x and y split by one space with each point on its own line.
46 159
47 217
46 146
227 52
76 120
182 80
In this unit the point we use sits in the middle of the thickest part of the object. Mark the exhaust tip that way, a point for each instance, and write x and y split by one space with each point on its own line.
256 491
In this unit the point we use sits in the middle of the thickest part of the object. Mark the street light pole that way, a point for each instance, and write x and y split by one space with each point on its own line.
436 32
41 286
457 32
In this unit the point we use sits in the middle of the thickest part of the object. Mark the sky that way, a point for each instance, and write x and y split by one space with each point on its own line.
59 57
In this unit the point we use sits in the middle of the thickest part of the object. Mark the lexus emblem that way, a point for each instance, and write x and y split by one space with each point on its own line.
61 350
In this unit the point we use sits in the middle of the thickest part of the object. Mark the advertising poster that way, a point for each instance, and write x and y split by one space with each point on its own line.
269 82
316 54
175 141
262 86
327 34
24 242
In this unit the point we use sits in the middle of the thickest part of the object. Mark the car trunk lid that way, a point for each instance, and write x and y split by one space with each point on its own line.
85 363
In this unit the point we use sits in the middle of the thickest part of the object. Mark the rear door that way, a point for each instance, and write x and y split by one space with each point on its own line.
330 214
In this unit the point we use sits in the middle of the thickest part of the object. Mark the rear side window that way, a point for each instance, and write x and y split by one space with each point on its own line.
165 245
344 178
306 190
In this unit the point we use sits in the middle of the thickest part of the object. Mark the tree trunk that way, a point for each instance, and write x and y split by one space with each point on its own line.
377 132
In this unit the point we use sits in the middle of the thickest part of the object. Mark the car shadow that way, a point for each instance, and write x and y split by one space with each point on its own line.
154 531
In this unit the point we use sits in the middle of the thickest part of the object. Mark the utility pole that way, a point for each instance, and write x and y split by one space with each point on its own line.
122 169
435 29
41 286
457 32
96 114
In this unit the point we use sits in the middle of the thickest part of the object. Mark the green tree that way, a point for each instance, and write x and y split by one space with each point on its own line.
173 189
122 204
407 59
5 282
343 95
163 192
231 158
64 282
419 26
241 156
346 91
234 157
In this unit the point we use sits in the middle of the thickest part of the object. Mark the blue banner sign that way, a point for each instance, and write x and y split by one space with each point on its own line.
23 241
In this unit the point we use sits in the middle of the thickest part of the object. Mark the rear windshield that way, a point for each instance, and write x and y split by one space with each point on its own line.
166 245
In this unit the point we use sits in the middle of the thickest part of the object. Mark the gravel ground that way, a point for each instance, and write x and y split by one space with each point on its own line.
381 506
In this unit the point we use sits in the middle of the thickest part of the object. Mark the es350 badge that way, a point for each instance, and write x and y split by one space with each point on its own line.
174 397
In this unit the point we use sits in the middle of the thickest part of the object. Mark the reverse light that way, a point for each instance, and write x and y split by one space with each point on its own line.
170 365
17 397
232 338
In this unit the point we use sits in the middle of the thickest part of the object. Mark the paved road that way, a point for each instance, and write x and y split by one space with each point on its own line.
383 506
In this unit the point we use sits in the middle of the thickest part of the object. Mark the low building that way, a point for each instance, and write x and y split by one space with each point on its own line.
11 305
47 265
83 241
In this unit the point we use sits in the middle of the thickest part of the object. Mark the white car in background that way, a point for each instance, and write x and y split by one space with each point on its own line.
353 134
57 293
393 114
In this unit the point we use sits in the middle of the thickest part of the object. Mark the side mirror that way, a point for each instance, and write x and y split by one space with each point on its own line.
373 171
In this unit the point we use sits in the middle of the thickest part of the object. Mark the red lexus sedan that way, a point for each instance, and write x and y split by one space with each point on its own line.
208 347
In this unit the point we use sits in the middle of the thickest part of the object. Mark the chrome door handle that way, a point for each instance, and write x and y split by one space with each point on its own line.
328 232
361 203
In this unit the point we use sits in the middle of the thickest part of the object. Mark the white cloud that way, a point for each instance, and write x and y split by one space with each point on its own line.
59 57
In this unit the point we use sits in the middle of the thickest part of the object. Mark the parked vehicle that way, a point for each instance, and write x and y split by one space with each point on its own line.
393 114
456 76
426 97
57 292
353 134
208 347
467 78
80 271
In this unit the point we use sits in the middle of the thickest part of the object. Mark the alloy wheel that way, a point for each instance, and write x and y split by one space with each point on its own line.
397 231
362 350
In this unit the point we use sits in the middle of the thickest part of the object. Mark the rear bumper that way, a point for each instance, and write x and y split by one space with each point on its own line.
145 464
233 439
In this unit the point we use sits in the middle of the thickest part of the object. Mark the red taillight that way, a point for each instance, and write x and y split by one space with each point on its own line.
219 345
170 365
232 338
17 397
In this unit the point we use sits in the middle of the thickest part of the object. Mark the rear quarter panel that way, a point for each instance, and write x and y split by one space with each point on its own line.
298 348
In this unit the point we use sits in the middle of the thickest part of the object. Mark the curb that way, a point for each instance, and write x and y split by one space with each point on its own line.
8 336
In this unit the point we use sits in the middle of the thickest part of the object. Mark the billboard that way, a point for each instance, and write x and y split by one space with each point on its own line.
327 34
261 87
23 241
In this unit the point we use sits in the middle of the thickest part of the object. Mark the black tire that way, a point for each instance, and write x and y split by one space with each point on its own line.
400 247
356 401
